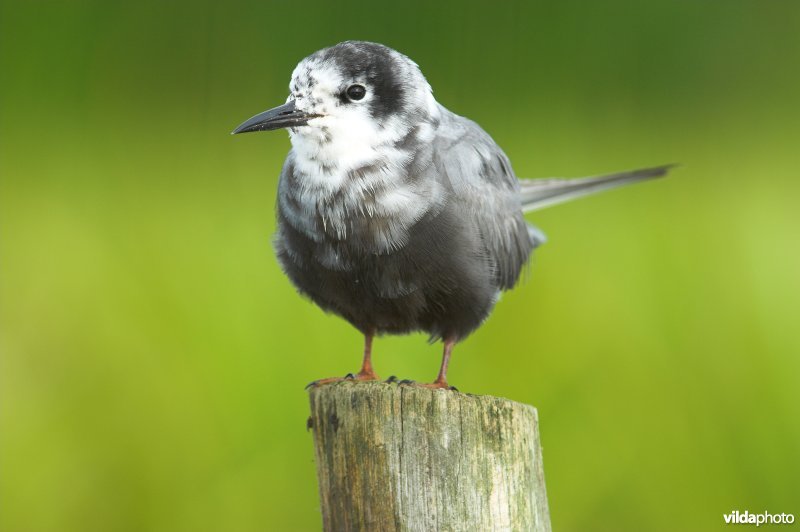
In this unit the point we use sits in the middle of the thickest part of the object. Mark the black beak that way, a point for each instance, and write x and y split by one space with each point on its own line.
284 116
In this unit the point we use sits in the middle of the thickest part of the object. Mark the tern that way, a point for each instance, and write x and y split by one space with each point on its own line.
395 213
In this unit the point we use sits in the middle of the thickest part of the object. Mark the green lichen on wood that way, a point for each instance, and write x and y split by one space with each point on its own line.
403 458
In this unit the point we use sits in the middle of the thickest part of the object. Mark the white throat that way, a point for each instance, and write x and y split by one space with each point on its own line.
357 172
327 150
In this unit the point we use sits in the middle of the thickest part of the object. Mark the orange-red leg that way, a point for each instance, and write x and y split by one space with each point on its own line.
365 374
441 378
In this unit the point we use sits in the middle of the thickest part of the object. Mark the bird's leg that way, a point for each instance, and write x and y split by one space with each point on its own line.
365 374
441 378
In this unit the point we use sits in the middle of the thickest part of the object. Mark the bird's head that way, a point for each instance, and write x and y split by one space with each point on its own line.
348 98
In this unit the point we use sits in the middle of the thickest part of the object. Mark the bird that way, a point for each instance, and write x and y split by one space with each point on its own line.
395 213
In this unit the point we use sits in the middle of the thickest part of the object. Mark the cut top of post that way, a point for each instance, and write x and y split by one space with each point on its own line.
410 458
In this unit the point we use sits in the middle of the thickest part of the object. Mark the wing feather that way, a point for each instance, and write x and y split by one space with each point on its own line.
540 193
486 191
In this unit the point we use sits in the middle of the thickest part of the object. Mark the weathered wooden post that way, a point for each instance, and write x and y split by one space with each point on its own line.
404 458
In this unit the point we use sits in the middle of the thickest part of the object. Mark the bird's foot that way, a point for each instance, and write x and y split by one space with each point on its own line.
360 376
435 385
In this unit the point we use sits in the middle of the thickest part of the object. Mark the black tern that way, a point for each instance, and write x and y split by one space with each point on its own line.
395 213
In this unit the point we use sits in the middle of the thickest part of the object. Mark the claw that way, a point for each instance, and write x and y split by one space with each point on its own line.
436 385
359 377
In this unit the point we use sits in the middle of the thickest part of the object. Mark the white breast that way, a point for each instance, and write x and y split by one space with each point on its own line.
333 198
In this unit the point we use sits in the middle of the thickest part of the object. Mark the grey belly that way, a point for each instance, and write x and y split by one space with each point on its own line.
440 281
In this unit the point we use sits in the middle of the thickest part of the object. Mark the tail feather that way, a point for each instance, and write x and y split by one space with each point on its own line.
540 193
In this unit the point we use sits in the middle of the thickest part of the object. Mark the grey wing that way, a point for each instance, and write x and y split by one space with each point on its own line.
484 188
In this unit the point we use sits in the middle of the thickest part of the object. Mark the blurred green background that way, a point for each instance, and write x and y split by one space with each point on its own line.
154 356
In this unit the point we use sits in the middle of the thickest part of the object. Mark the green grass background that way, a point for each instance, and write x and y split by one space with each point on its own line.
154 356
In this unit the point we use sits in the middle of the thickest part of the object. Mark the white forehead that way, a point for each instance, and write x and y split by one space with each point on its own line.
319 80
312 74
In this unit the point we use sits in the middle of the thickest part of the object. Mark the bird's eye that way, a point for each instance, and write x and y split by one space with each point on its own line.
356 92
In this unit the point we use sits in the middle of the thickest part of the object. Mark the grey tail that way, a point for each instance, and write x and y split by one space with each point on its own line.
540 193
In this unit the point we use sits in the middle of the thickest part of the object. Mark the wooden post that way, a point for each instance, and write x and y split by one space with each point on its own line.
405 458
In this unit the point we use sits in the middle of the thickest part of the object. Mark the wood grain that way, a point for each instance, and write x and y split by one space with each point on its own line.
404 458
